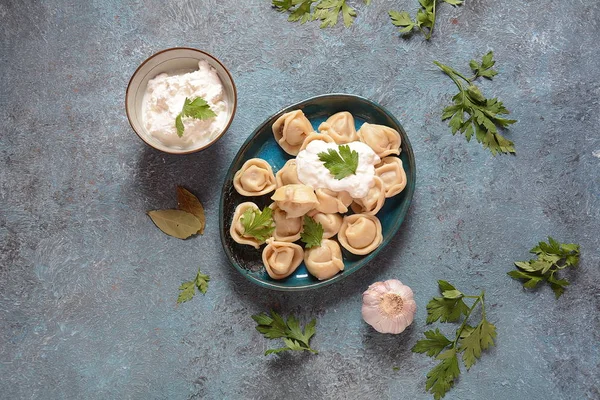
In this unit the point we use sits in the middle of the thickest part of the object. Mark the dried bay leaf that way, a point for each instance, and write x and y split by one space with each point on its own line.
177 223
186 201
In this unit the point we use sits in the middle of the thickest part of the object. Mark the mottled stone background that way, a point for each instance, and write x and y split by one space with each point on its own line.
88 284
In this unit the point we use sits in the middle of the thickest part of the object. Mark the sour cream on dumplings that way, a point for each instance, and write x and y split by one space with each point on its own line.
312 172
163 101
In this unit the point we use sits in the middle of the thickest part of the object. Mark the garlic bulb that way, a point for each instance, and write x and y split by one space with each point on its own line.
388 306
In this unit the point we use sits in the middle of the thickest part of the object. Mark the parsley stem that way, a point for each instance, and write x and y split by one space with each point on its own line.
427 37
464 323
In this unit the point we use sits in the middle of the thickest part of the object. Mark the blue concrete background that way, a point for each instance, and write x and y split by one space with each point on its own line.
88 284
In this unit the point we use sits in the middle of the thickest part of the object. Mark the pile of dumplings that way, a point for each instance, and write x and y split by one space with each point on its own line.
359 233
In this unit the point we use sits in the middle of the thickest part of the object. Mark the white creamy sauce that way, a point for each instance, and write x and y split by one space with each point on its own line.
164 99
312 172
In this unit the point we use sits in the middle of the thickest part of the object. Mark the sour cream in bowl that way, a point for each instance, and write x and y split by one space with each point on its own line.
181 100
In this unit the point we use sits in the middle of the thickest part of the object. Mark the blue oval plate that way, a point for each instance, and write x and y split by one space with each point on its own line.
261 144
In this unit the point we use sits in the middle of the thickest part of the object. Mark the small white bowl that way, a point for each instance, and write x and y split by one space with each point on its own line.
169 60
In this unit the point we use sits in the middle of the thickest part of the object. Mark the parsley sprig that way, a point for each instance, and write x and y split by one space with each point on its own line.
188 289
341 163
312 233
258 224
274 326
551 258
424 20
468 340
197 108
484 116
326 11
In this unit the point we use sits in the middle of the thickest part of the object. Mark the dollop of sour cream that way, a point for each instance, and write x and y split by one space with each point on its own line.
164 98
312 172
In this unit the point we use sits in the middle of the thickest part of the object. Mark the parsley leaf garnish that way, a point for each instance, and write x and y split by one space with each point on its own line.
468 340
198 109
258 224
326 11
312 233
341 163
483 115
424 20
188 289
551 258
274 326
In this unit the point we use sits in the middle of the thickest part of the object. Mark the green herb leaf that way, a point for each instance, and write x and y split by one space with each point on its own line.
445 310
179 125
186 201
424 20
176 223
326 11
274 327
312 233
403 21
484 68
197 108
471 344
258 224
551 258
469 340
441 378
483 116
188 289
341 163
433 345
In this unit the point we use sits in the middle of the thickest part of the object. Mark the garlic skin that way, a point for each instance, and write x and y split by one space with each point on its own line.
389 306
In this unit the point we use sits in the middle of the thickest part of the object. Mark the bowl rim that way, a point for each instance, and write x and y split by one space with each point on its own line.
187 151
367 258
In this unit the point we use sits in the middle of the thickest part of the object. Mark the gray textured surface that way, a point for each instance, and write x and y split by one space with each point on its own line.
88 284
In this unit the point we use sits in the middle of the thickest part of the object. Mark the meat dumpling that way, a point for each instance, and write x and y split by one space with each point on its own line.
382 139
340 127
290 130
392 174
286 229
281 258
316 136
331 223
287 175
255 178
296 200
333 202
360 234
373 201
237 228
324 261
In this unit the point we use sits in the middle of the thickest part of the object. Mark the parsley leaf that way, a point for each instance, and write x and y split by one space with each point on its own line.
424 20
258 224
402 20
551 258
326 11
188 289
274 326
312 232
433 345
468 340
341 163
198 109
446 309
441 378
485 68
483 116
